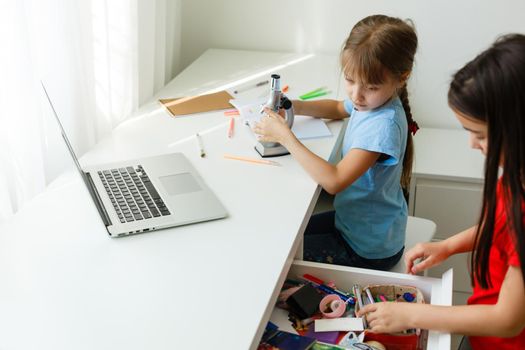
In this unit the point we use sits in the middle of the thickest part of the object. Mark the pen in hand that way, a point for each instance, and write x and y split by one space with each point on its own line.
201 147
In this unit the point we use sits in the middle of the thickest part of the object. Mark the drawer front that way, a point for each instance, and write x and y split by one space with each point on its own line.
435 290
453 206
460 263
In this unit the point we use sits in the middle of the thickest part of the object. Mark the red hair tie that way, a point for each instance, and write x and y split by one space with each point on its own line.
413 127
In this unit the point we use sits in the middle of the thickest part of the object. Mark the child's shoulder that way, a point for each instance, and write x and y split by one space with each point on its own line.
391 108
391 112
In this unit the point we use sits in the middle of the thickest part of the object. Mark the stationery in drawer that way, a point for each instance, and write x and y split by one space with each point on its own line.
341 290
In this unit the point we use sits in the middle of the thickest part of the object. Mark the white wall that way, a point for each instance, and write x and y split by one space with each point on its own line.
450 33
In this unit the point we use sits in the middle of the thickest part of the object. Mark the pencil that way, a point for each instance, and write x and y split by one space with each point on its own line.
252 160
230 128
201 147
261 83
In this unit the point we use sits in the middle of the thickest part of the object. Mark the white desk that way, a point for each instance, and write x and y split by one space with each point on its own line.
66 285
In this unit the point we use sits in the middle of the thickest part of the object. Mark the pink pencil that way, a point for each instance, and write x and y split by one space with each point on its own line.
231 112
230 129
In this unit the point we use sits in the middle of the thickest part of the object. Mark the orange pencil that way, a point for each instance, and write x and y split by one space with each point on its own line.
285 88
230 129
252 160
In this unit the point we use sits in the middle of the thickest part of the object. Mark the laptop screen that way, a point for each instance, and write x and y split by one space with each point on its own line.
84 176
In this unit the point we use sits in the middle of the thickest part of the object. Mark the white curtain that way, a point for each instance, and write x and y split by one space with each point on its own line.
99 60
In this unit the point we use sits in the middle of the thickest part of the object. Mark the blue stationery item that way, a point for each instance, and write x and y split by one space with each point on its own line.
409 297
328 290
317 283
269 332
288 341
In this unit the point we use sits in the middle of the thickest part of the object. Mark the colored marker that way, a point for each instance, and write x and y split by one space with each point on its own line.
317 94
305 96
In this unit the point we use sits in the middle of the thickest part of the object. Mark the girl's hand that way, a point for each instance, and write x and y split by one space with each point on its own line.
387 317
431 254
272 128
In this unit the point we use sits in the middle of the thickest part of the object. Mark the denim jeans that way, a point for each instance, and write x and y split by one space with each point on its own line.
465 344
324 243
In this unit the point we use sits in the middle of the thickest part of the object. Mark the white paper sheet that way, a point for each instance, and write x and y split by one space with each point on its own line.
279 317
339 324
304 127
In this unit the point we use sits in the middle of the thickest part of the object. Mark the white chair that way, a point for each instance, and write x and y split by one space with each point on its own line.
418 230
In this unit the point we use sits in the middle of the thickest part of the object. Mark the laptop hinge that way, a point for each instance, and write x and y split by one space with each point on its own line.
98 201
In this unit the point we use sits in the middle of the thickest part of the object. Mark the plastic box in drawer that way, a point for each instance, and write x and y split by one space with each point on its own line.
437 291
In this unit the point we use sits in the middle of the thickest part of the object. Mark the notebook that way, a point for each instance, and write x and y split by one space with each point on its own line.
197 104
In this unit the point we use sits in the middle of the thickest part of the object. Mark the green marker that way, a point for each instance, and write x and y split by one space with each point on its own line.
314 95
306 95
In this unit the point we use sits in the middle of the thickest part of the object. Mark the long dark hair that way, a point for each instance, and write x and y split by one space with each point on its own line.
491 89
378 43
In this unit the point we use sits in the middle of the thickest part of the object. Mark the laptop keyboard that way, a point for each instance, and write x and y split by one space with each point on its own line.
132 194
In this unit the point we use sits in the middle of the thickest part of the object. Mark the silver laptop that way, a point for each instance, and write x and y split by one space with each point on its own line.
147 194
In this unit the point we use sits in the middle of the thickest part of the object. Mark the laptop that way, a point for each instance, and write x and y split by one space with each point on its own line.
146 194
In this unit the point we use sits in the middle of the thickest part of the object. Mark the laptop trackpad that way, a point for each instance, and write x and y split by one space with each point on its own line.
179 184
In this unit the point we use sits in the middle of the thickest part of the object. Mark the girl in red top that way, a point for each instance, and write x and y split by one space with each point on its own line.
488 97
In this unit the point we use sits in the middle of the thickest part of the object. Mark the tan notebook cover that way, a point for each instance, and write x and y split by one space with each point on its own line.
197 104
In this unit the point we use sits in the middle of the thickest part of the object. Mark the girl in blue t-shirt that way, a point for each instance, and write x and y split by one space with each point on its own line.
367 228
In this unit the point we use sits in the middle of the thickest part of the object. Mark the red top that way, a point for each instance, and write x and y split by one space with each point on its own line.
502 255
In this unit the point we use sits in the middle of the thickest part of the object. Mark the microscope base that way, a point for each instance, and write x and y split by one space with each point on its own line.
273 151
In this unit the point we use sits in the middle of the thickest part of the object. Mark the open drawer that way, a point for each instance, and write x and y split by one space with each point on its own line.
437 291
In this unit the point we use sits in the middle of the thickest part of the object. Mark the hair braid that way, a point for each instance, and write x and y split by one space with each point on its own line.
409 150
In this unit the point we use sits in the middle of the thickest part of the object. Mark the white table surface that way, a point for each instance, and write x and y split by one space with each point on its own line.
66 285
446 154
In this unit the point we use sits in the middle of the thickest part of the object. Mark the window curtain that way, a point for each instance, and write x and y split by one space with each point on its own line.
99 59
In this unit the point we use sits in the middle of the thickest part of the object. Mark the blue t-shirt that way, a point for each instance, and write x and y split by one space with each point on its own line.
371 213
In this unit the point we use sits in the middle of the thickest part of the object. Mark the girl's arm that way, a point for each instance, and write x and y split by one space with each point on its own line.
506 318
433 253
333 178
328 109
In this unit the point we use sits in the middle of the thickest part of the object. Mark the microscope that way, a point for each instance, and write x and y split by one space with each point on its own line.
276 101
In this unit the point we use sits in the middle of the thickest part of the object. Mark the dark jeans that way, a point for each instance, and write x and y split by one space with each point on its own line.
465 344
324 243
